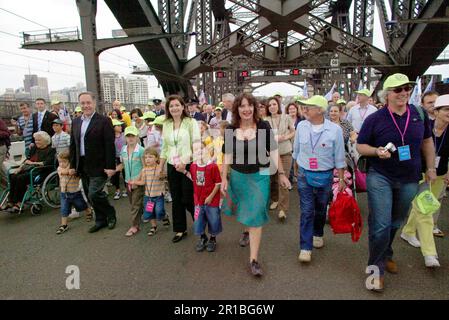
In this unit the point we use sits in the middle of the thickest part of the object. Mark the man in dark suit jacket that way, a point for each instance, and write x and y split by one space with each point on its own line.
43 119
92 156
192 106
158 107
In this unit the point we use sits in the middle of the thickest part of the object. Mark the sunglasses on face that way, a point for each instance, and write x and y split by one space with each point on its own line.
405 88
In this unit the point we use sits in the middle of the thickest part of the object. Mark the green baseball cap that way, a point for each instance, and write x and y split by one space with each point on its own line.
58 121
116 123
365 92
122 108
53 102
318 101
278 94
219 108
150 103
341 101
148 115
159 120
220 105
299 98
131 130
396 80
78 109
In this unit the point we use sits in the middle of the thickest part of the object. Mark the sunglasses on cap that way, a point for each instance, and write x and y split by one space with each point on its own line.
405 88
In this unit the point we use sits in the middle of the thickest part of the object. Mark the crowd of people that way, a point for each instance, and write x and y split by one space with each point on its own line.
241 158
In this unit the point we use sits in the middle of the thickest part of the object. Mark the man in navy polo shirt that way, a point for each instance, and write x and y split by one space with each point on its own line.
394 173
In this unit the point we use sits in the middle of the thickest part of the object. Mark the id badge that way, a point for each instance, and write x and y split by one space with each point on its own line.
176 160
313 163
150 207
404 153
197 213
437 162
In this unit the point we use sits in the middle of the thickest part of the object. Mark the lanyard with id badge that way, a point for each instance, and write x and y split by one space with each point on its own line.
438 148
130 166
404 150
313 162
176 159
150 204
200 180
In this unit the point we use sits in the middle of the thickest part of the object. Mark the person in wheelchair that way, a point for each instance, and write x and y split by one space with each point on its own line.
42 155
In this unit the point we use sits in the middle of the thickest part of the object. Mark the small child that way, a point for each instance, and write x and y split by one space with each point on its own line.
60 140
206 186
131 160
119 143
154 136
218 142
153 201
70 192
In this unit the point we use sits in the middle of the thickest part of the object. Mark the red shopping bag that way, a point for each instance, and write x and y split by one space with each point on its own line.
360 180
344 216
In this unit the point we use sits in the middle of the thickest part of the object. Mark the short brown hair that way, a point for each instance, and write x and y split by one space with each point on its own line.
152 152
64 155
168 115
235 108
267 105
429 93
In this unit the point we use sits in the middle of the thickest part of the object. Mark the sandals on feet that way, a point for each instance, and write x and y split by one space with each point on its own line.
89 216
132 231
62 229
166 221
153 231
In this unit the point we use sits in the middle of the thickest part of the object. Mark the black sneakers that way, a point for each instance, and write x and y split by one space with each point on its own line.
201 244
256 270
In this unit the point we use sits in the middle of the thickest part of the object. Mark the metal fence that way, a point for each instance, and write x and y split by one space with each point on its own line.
10 108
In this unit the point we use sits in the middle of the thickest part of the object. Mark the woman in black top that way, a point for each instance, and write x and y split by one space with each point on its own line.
441 140
249 148
426 225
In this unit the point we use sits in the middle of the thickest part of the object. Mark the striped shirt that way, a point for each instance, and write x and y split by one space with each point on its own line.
69 184
26 127
61 142
154 187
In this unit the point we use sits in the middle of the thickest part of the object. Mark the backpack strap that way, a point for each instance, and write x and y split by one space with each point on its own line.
420 111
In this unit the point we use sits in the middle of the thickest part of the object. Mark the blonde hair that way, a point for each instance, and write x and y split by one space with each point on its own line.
64 155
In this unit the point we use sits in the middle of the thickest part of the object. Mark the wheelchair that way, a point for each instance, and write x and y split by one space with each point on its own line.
43 188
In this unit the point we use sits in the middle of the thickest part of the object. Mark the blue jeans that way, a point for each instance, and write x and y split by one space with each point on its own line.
209 216
312 202
388 203
158 209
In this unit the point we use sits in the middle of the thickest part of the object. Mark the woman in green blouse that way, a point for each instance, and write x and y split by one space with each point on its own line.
181 136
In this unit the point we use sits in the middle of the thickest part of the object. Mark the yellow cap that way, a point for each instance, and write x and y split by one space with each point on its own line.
341 101
115 122
396 80
78 109
148 115
159 120
365 92
131 130
318 101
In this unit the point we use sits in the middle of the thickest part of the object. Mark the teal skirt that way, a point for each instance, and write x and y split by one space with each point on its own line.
248 198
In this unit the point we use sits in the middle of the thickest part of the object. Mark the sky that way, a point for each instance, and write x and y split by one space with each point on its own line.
65 69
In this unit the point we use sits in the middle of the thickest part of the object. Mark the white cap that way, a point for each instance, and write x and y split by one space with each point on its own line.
442 101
